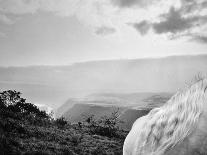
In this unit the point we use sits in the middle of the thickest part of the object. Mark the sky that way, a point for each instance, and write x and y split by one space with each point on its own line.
61 32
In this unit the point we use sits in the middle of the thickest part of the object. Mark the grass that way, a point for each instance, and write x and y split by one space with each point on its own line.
68 140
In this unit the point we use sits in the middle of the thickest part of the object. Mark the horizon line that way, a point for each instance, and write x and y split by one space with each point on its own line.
102 60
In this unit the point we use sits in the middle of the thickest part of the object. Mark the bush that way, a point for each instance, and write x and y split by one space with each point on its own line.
76 139
7 145
61 122
99 150
37 153
106 125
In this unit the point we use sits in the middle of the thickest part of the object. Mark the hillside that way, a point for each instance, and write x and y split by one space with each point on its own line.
53 85
25 130
122 100
130 115
79 111
130 106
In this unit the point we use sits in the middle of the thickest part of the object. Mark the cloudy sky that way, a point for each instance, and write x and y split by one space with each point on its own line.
60 32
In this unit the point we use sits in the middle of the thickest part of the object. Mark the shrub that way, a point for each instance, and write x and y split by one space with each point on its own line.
99 150
61 122
106 125
7 145
37 153
76 138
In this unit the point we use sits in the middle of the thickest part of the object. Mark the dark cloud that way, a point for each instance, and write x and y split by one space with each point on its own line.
174 22
171 22
131 3
190 6
5 19
105 30
204 4
178 22
199 38
124 3
142 27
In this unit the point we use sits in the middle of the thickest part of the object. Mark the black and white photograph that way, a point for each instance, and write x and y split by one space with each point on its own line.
103 77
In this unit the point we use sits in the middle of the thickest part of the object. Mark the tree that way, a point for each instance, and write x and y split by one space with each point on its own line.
10 97
12 102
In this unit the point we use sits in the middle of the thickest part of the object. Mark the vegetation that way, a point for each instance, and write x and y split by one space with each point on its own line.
24 129
106 125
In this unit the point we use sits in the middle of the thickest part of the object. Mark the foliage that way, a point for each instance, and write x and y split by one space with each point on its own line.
61 122
106 125
12 105
76 138
24 129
